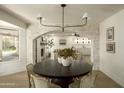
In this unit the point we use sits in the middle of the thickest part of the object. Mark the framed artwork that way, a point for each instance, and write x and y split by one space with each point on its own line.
110 47
62 42
110 33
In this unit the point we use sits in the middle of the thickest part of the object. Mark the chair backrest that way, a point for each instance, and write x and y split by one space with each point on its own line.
40 82
29 67
88 81
30 72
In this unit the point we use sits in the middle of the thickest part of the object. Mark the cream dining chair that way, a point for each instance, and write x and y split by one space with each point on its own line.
29 70
42 82
38 81
87 81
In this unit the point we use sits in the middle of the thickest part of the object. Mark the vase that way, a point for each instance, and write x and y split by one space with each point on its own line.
60 60
66 62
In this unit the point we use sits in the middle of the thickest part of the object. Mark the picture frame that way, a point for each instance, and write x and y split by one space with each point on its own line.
110 47
62 42
110 33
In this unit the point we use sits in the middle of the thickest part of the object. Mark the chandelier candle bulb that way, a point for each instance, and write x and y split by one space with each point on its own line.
85 16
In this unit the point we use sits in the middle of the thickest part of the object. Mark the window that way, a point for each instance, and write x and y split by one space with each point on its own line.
10 49
9 41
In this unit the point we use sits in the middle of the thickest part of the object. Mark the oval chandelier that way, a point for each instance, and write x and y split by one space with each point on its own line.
63 26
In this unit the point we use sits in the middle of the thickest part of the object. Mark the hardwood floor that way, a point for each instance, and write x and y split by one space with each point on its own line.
20 80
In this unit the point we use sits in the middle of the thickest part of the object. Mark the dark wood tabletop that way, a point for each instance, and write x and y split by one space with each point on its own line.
52 69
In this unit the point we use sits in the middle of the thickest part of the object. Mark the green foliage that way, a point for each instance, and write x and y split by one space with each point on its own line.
50 43
8 43
67 52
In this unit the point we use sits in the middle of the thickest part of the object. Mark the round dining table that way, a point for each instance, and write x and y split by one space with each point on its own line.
60 74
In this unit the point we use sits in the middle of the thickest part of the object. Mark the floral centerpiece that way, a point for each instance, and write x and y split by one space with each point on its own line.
66 56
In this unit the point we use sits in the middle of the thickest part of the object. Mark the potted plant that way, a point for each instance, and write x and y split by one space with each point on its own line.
66 56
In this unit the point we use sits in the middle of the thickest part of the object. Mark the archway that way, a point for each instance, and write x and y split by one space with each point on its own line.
45 45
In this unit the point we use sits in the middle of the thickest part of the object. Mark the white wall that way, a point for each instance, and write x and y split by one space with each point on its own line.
113 63
22 45
0 48
11 67
69 42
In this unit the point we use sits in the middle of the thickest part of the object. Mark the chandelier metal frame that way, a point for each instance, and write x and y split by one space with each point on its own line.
63 26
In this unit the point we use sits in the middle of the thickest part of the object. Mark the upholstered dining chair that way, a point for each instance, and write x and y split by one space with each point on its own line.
87 81
42 82
30 72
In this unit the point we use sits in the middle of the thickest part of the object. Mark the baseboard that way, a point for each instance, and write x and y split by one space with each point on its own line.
114 77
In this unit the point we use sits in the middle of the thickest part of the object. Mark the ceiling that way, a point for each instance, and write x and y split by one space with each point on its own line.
52 12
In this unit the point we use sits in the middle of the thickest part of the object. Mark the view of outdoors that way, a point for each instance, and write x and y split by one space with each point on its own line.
9 48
